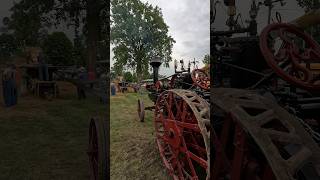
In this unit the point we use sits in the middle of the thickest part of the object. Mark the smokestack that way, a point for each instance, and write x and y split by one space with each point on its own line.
155 63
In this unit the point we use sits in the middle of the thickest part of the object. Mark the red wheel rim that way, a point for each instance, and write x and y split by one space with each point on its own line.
295 59
93 151
97 149
256 139
183 146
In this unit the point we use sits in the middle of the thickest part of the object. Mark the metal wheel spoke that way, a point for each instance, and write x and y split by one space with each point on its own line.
182 121
274 133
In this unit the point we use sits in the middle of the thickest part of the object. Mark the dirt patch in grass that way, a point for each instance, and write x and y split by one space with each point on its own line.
134 154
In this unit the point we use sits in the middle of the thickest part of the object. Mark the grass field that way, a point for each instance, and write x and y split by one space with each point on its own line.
43 139
134 154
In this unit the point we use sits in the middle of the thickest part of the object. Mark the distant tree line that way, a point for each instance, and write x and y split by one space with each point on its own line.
30 21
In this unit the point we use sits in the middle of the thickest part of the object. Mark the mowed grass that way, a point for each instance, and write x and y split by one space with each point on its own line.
134 154
42 139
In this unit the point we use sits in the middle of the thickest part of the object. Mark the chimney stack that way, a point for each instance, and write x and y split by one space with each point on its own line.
155 63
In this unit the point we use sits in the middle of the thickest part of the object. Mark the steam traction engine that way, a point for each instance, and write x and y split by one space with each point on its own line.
181 107
264 103
264 108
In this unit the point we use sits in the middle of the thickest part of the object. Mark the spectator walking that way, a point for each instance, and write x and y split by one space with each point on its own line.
113 89
10 94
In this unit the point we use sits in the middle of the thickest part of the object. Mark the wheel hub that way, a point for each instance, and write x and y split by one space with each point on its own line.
173 135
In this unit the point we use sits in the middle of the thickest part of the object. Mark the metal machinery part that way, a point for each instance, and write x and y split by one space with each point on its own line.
266 124
255 138
182 133
201 78
289 60
97 149
181 119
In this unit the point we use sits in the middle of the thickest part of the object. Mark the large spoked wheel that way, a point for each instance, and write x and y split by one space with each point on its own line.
291 53
200 78
254 138
182 134
97 150
141 111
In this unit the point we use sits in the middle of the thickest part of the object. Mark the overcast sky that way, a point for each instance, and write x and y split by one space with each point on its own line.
289 12
188 22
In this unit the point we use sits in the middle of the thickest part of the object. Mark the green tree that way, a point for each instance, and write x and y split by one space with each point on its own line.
7 45
80 52
128 77
139 33
58 49
308 4
117 69
206 59
27 20
135 78
29 16
113 74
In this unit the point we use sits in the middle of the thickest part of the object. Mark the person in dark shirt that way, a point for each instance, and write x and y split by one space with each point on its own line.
10 95
14 85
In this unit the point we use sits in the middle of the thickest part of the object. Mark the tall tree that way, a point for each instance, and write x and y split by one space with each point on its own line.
58 49
82 14
139 34
128 77
7 45
27 20
308 4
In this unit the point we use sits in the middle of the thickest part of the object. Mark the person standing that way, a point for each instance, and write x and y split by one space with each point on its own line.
5 86
83 76
14 85
113 89
9 86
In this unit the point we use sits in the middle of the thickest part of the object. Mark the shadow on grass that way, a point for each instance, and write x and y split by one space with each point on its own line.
46 139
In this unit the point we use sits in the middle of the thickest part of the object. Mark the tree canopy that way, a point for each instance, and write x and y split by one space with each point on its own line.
58 49
7 45
88 17
308 4
128 77
139 34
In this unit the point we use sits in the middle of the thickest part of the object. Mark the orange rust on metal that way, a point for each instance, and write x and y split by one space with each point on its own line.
170 139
